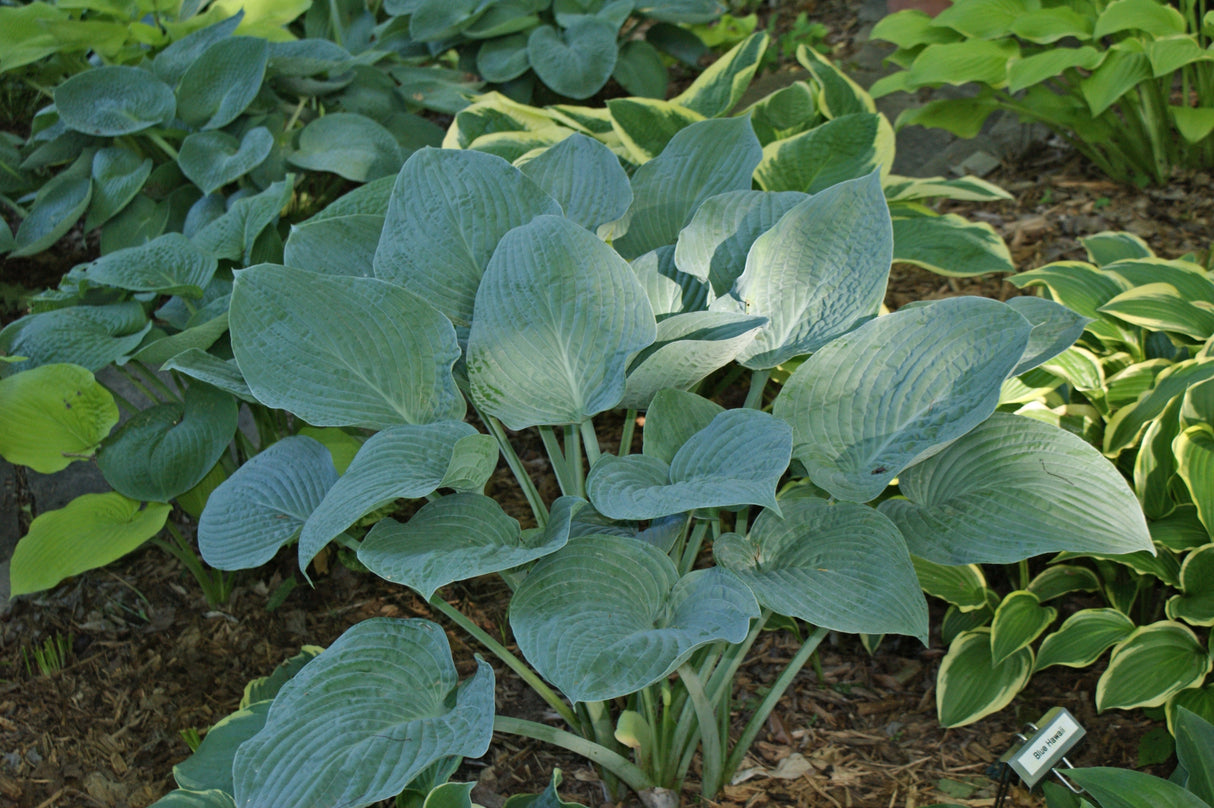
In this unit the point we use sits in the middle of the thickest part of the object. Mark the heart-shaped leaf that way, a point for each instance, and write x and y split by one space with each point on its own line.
1195 604
118 174
114 100
349 145
172 62
962 585
211 159
861 411
1151 665
840 566
53 415
374 355
89 336
1019 620
264 504
381 704
169 265
607 615
585 178
575 62
504 58
222 82
558 313
673 417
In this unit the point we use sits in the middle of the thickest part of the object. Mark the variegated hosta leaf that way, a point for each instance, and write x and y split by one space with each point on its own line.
1151 665
1083 637
962 585
585 177
1012 488
353 727
868 404
263 505
1019 620
688 348
373 355
971 685
404 462
840 566
1195 604
949 245
607 615
736 460
817 273
457 537
447 212
558 314
1055 328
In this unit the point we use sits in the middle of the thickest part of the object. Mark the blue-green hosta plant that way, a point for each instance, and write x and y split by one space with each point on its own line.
1128 83
492 305
1138 385
814 134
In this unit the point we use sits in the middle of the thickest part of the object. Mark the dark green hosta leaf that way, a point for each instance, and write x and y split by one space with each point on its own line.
185 798
90 532
114 100
60 203
718 89
447 213
608 615
736 460
816 274
458 537
703 160
118 174
263 505
585 178
687 349
166 450
167 265
840 566
1055 328
502 59
950 245
436 20
210 767
53 415
1126 788
1163 307
862 411
1083 289
211 159
558 314
1195 751
234 234
639 70
89 336
381 704
971 685
156 351
1083 637
575 62
1019 620
341 245
1061 579
1151 665
373 355
6 237
402 462
1012 488
222 82
349 145
843 149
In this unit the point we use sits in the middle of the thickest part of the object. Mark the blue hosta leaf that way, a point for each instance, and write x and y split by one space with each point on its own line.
837 565
211 159
585 178
263 505
233 234
703 160
168 265
166 450
846 148
198 364
89 336
53 415
457 537
114 100
1016 487
211 764
341 245
222 82
669 291
118 174
373 355
172 62
185 798
608 615
381 704
349 145
714 244
673 417
60 203
1055 328
870 403
736 460
576 62
688 348
447 213
558 313
403 462
820 271
503 58
157 349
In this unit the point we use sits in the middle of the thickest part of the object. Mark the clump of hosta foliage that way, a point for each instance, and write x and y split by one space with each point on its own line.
1138 385
1129 83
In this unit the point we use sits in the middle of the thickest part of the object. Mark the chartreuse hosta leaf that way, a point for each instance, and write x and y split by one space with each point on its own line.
840 566
447 213
374 355
737 459
265 503
457 537
1195 604
89 336
703 160
962 585
89 532
558 314
607 615
1019 620
381 704
114 100
1015 487
169 265
1083 637
53 415
403 462
1151 665
585 177
871 402
818 272
972 685
166 450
